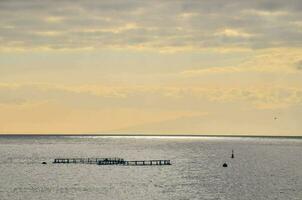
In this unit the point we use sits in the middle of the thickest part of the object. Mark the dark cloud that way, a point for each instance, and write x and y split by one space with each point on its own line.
269 23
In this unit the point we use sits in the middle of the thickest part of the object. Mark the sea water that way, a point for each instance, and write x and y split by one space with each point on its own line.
263 168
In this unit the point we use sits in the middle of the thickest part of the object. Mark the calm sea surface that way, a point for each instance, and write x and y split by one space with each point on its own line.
263 168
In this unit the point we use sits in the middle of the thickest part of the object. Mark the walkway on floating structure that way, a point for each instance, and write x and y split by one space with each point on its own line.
148 162
111 161
87 160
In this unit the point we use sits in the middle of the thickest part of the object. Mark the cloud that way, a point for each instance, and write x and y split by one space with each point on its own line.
46 108
86 96
187 25
265 13
154 59
48 33
240 69
270 61
114 30
53 19
233 33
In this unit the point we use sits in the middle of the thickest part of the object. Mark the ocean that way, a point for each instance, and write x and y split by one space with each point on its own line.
263 168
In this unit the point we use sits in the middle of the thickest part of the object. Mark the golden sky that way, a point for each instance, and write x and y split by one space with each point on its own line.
151 67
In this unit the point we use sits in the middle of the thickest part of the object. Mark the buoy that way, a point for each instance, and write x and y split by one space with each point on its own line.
225 165
44 163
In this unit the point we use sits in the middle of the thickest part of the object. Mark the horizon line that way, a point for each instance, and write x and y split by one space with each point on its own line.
147 135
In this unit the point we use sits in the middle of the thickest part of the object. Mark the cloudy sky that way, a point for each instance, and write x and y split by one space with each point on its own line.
154 67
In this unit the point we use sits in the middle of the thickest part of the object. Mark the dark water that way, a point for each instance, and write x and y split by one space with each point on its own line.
263 168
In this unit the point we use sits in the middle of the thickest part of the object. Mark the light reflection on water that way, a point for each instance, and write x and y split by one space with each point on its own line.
263 168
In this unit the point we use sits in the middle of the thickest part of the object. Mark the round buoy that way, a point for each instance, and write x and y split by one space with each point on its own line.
225 165
44 163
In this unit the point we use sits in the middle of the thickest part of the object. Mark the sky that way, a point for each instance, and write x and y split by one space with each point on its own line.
151 67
